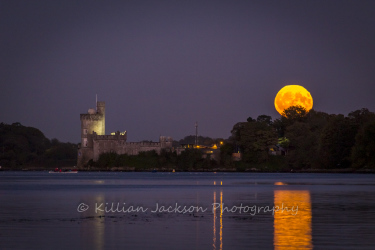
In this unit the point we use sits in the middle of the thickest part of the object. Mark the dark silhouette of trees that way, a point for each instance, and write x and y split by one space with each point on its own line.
336 141
27 146
254 138
310 139
295 113
303 130
363 151
265 119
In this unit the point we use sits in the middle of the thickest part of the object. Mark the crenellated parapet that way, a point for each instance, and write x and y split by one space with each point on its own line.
100 104
144 144
92 117
116 136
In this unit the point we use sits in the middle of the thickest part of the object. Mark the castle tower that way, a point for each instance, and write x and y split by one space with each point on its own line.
100 109
93 121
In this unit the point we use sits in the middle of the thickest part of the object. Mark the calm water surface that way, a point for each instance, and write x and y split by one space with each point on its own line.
39 210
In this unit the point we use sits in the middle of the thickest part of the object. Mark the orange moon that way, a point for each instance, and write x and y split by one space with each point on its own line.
292 95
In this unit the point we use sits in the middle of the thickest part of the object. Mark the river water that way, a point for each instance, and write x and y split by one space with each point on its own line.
104 210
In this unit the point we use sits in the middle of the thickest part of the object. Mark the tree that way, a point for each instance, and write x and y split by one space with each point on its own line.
362 154
62 151
361 117
279 126
294 113
303 145
317 120
255 140
21 145
249 119
107 160
284 143
336 141
190 159
226 152
265 118
235 132
289 116
167 158
207 141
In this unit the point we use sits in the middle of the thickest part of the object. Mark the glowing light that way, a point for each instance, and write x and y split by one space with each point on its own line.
221 220
292 230
214 228
279 183
292 95
121 133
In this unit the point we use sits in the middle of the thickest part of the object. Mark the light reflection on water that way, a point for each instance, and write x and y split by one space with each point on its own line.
96 229
334 211
214 227
221 219
215 218
292 230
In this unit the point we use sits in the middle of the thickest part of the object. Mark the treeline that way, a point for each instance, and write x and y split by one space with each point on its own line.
201 140
304 140
297 140
23 147
188 160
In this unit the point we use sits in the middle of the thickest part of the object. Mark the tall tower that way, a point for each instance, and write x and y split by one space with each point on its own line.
93 121
100 109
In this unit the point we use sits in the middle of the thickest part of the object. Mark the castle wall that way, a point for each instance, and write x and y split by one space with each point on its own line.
94 141
84 155
122 147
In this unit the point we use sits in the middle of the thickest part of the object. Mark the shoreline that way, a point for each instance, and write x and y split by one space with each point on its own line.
232 170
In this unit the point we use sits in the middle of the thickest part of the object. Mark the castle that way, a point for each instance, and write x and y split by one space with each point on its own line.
94 141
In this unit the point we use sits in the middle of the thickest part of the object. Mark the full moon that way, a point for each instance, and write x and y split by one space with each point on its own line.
292 95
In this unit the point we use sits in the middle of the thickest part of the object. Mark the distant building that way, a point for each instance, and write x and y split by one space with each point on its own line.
236 156
94 141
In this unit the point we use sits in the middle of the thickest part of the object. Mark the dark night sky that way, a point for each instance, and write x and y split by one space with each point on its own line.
162 65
